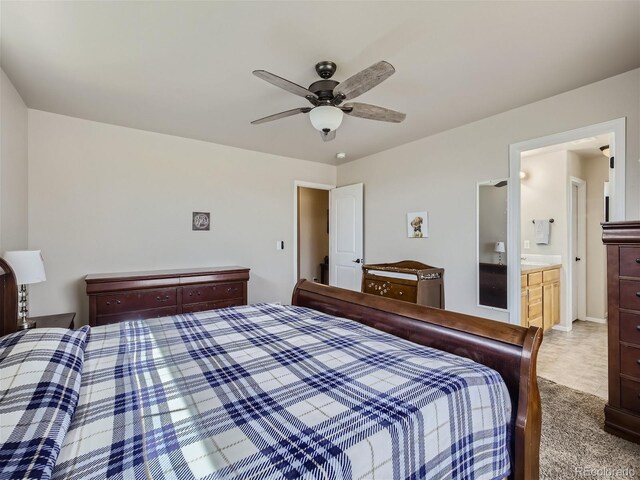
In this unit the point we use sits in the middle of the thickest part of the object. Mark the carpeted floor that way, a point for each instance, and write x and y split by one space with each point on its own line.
574 444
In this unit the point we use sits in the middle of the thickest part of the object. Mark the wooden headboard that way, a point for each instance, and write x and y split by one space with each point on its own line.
9 299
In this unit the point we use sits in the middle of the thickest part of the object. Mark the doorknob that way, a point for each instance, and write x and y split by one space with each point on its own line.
357 260
577 259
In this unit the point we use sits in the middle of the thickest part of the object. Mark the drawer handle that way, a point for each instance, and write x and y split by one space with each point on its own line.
638 294
400 293
117 301
638 260
166 298
638 327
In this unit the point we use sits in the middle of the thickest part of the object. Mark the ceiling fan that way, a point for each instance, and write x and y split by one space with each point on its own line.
327 96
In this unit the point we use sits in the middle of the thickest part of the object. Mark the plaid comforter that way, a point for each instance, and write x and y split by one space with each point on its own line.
271 391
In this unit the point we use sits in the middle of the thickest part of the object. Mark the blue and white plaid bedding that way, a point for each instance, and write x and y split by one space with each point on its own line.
270 391
39 389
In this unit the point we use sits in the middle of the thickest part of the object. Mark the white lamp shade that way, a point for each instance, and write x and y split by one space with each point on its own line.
326 118
499 247
27 265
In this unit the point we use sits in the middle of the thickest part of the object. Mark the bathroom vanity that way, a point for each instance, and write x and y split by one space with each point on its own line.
540 295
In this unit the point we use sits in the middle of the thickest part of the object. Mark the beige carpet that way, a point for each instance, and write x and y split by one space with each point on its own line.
574 444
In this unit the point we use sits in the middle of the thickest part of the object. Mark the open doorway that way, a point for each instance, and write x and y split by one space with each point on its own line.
614 202
566 188
562 205
345 208
313 234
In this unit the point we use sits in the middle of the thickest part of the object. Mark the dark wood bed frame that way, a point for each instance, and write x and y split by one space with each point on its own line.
511 350
9 299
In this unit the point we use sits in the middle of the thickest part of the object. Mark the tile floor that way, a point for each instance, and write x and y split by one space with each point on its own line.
577 359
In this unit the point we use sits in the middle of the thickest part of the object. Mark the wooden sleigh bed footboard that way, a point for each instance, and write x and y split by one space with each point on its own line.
511 350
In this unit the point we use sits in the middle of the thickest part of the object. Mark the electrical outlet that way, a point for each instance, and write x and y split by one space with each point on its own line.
527 244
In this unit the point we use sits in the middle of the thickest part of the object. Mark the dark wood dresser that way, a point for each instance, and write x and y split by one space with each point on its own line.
423 284
116 297
622 413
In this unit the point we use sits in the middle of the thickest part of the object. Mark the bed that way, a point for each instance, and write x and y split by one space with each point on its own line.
338 385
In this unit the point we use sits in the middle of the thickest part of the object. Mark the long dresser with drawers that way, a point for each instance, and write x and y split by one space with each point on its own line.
622 412
116 297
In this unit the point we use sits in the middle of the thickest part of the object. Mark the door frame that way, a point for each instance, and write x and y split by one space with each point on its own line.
616 127
296 184
582 247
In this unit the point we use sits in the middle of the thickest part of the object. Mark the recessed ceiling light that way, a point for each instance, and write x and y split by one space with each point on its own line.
341 155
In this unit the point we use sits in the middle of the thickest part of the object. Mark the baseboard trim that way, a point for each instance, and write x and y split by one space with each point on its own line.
595 320
562 328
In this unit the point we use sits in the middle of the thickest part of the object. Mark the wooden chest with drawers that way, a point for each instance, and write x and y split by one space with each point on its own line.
116 297
408 280
622 412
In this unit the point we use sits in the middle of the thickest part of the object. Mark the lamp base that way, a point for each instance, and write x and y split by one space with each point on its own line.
26 325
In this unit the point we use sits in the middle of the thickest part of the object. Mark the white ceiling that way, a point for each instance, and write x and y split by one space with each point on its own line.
184 68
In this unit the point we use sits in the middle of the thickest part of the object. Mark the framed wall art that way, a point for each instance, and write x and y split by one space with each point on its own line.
418 224
201 221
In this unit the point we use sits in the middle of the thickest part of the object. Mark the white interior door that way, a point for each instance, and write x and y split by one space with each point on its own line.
345 236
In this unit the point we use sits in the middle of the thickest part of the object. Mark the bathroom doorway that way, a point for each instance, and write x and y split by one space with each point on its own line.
562 206
563 201
611 198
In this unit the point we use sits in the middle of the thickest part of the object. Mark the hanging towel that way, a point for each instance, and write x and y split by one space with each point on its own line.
542 232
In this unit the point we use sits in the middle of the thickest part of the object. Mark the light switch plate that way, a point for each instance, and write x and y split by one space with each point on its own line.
527 244
280 245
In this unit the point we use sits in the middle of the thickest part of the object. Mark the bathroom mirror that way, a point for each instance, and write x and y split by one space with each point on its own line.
492 243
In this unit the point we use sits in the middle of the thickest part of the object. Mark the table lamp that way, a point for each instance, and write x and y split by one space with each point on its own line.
28 267
499 249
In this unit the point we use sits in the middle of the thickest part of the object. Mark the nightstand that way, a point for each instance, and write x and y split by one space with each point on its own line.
61 320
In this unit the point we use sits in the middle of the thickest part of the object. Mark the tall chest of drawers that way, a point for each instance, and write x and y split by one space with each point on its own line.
622 413
116 297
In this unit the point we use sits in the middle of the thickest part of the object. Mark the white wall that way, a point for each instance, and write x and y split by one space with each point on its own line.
543 195
13 168
313 236
104 198
439 173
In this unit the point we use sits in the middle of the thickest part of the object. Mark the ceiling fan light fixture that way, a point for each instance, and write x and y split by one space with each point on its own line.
326 118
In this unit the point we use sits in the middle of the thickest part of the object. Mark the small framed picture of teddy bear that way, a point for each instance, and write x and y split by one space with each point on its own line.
418 224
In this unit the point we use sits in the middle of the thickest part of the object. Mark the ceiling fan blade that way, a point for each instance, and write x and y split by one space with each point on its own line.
327 137
277 116
284 83
373 112
365 80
